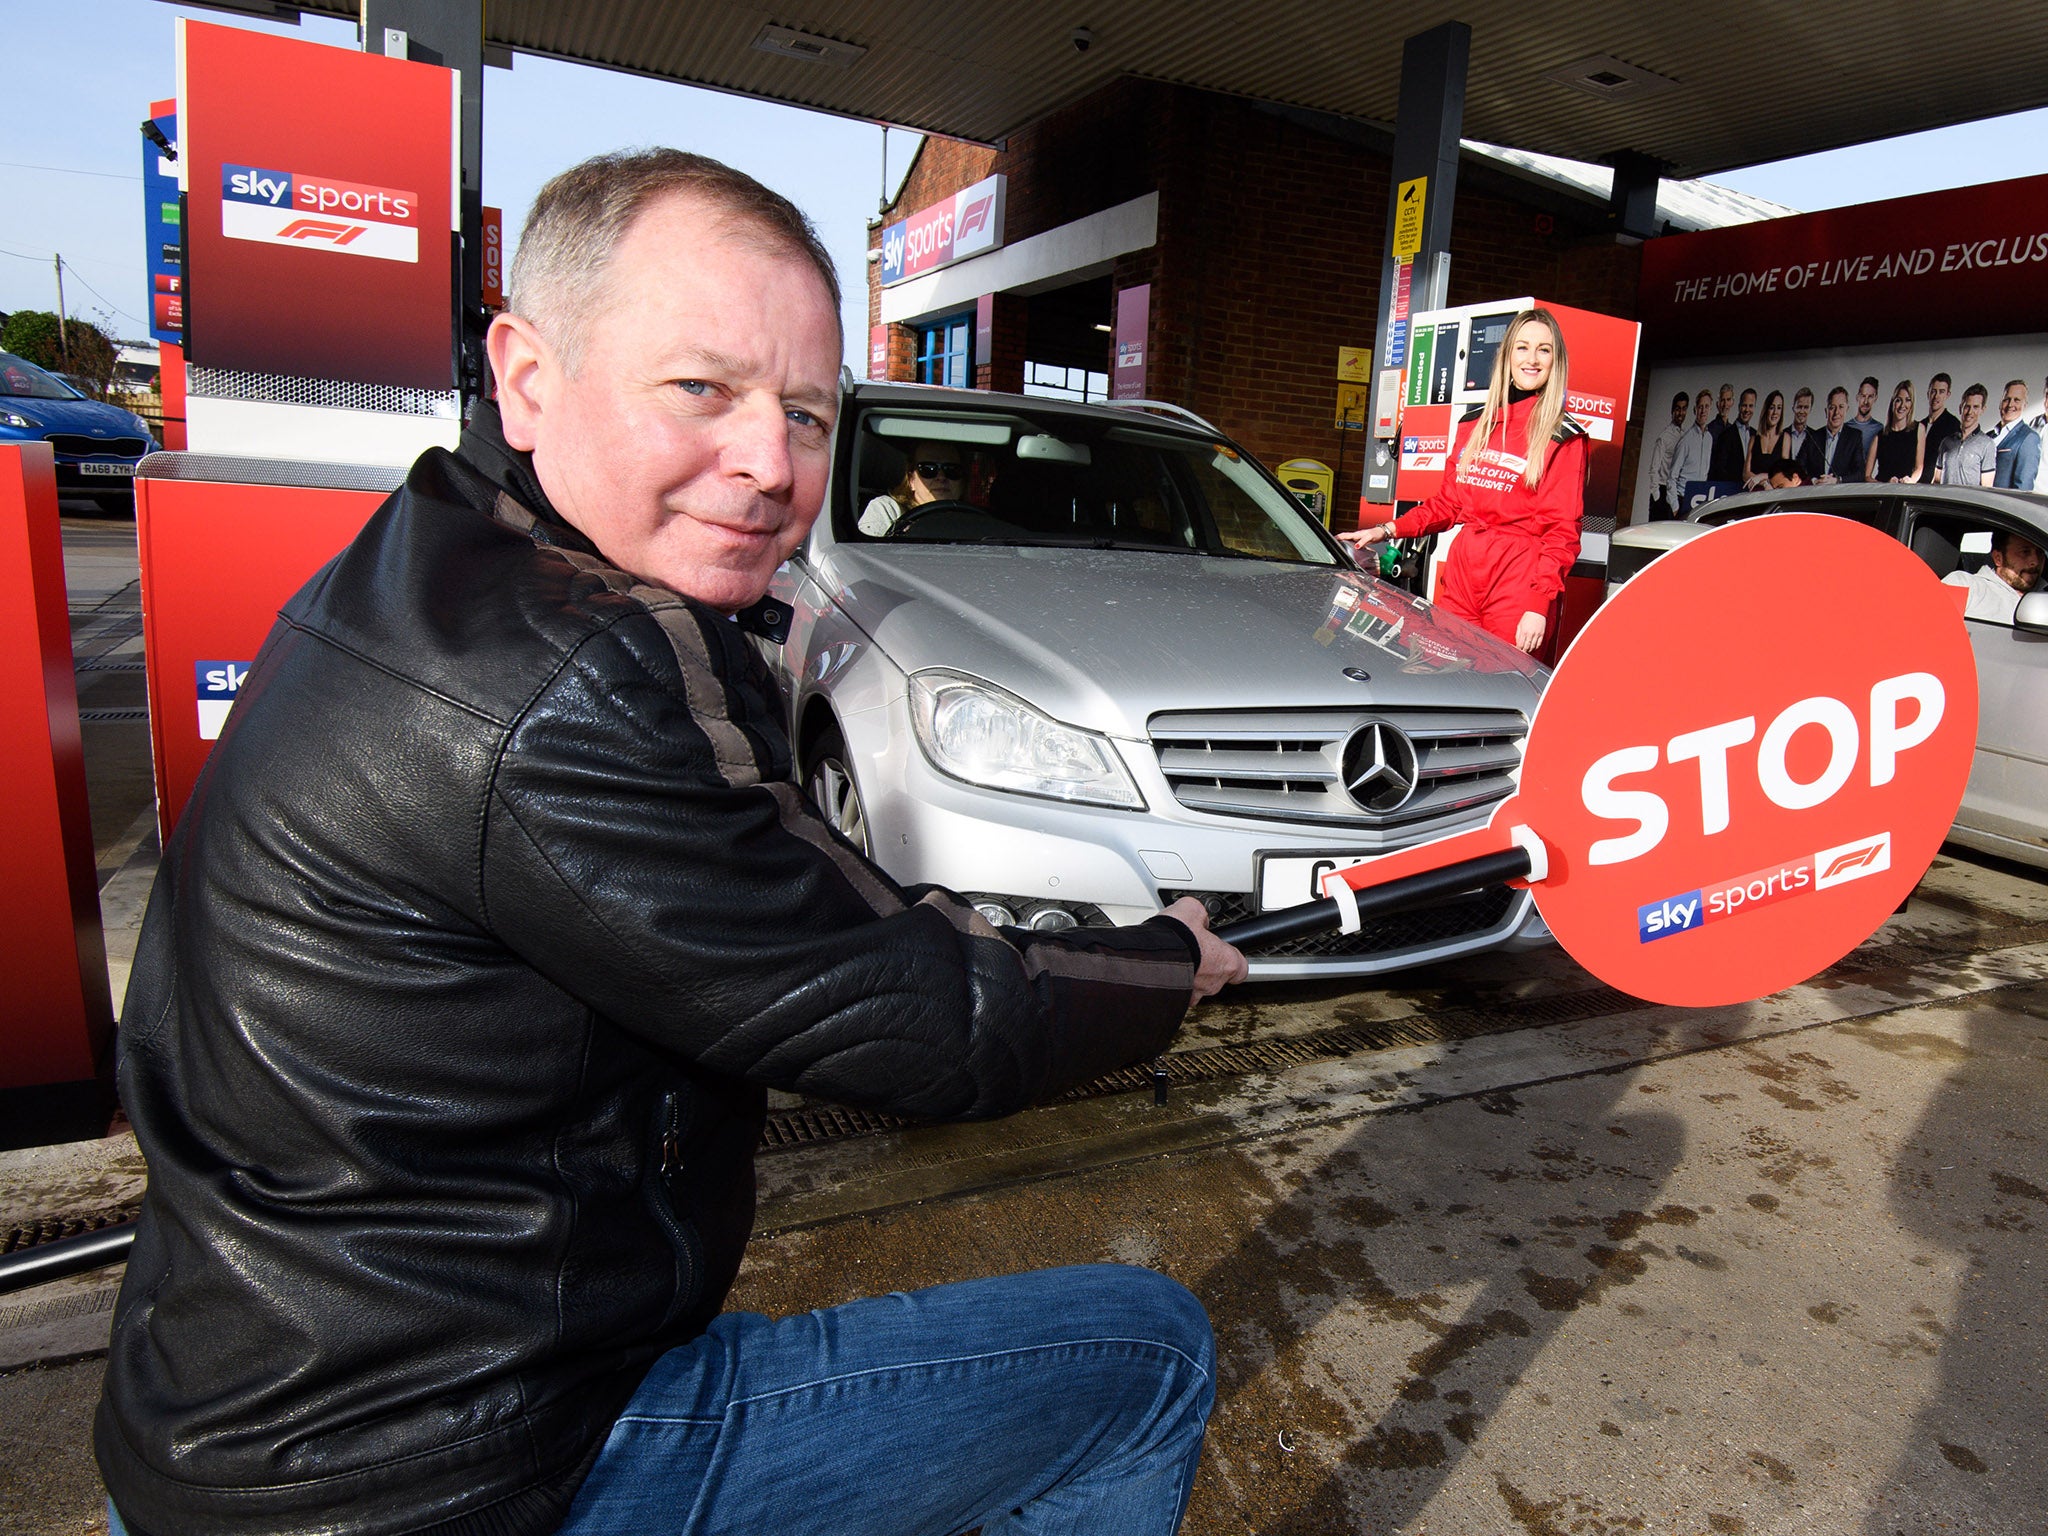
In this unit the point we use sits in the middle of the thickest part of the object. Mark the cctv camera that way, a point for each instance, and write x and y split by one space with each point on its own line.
1083 39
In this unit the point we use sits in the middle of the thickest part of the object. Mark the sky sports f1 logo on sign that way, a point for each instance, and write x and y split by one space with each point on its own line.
318 213
1745 893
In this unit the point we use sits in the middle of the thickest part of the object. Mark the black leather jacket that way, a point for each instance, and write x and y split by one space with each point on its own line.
488 921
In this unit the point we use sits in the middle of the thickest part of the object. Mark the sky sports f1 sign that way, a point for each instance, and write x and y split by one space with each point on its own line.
965 224
320 190
1735 777
1738 776
380 223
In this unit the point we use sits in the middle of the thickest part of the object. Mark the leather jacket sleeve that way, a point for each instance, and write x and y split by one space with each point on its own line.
637 855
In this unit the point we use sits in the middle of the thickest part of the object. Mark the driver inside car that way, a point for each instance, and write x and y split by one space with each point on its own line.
934 472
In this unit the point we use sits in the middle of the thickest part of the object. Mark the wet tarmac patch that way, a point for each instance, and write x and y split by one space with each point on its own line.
1962 1458
1780 1473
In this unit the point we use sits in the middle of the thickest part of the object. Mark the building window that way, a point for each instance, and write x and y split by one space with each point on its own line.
944 350
1060 383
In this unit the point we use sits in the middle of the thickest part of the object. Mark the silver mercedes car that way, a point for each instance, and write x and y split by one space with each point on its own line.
1077 661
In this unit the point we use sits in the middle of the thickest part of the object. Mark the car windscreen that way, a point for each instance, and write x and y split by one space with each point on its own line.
1011 478
25 380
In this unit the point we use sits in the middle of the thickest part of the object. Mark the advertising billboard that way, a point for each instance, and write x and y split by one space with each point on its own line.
1915 299
966 224
1972 261
162 229
320 190
1934 374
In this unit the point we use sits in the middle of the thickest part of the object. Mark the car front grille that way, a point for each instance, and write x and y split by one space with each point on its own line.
1288 765
1421 927
78 445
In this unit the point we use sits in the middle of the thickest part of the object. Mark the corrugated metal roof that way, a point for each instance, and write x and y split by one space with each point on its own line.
1747 84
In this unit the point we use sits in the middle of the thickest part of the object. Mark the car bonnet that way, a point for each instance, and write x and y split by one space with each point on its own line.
1105 639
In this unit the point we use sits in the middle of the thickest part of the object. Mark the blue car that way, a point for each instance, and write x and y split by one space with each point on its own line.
97 446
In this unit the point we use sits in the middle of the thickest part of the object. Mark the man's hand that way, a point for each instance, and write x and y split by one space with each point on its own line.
1529 632
1222 964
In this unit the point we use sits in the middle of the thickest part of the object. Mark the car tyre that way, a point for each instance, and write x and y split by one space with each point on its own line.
832 787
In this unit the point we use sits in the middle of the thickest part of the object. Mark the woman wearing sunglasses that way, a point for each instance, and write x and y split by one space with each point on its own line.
936 472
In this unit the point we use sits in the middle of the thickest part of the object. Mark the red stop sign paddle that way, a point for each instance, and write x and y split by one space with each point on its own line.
1741 767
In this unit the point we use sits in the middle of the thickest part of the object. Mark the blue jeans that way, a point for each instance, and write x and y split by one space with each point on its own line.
1066 1400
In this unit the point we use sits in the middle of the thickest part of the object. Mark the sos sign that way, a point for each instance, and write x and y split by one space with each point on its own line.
1748 758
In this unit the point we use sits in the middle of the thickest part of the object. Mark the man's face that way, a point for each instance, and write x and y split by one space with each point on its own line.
1801 405
1748 407
2012 403
1678 411
1866 397
2019 564
1703 408
1972 412
1937 396
1838 411
691 444
1727 400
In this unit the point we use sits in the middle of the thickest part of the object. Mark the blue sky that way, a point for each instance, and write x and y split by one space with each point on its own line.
83 73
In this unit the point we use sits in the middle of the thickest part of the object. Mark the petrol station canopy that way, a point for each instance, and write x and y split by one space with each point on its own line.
1697 88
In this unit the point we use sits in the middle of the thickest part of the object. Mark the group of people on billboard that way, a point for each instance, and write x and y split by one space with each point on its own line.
1718 443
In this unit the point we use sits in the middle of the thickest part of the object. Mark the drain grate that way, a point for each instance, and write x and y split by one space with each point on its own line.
100 664
111 716
812 1124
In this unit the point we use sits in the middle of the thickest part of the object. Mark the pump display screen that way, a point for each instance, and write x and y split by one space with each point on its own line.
1488 333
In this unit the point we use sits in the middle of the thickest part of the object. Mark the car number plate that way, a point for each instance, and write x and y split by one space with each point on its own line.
93 467
1289 879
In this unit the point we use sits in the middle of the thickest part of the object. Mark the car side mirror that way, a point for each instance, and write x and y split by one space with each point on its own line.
2032 614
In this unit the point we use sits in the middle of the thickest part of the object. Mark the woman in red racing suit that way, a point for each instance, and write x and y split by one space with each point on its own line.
1520 507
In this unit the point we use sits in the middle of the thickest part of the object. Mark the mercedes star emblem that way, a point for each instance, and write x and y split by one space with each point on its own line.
1380 767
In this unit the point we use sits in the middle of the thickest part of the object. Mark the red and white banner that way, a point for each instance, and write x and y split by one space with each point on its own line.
1972 261
320 193
1128 369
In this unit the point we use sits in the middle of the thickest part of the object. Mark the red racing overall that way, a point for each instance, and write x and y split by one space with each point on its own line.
1518 541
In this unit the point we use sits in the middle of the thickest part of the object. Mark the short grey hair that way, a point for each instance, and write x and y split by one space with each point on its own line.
574 228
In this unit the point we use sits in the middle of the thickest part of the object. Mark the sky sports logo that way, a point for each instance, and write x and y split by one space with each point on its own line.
219 682
318 213
1766 887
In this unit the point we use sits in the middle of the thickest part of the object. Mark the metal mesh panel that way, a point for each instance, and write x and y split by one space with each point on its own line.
333 394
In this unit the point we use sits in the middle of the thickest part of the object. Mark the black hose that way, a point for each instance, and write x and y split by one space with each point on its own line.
1408 891
65 1256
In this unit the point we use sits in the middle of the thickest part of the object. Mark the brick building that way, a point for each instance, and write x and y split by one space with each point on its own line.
1260 231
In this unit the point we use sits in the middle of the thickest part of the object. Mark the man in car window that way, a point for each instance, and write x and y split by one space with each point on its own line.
494 914
1996 588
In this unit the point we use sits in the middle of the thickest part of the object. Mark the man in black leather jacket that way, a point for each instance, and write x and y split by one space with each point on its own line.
493 914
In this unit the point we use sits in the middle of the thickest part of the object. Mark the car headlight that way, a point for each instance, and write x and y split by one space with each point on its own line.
19 420
974 731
